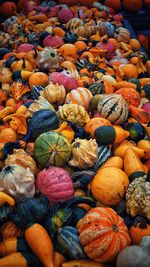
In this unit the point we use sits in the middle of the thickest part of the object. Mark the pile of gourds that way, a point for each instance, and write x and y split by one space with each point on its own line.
74 137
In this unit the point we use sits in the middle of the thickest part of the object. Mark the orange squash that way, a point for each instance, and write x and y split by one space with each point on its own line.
129 71
122 148
107 190
103 234
130 95
8 135
38 78
135 44
59 259
138 232
94 123
114 161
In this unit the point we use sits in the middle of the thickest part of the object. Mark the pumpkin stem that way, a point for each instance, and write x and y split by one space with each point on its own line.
141 221
115 228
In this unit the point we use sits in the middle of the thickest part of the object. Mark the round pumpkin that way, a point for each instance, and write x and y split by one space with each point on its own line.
130 95
132 6
38 78
103 234
94 123
130 71
113 108
52 148
115 4
109 185
138 232
8 135
8 9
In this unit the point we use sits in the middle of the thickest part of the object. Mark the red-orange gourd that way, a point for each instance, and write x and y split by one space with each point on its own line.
115 4
103 234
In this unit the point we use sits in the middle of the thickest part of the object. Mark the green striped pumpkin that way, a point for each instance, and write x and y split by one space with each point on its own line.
52 148
97 88
113 108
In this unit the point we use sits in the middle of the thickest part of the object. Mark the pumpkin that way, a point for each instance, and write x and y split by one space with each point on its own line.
137 200
94 123
108 46
100 230
62 79
84 153
107 190
54 93
74 113
20 157
5 75
47 59
138 231
21 64
38 78
132 6
42 121
17 181
8 135
56 184
81 96
130 95
135 255
8 9
68 51
116 4
129 71
113 107
122 35
52 148
135 44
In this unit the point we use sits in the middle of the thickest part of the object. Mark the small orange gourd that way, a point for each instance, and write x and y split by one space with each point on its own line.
133 166
114 161
94 123
107 190
59 259
138 231
38 78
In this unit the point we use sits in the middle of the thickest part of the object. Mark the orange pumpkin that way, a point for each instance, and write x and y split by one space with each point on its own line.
68 51
130 95
135 44
115 4
80 45
138 232
103 234
109 185
87 3
94 123
132 6
38 78
8 135
21 64
129 71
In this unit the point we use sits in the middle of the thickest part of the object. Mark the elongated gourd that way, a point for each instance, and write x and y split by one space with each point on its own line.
4 198
12 245
41 244
133 166
18 259
122 148
114 161
82 263
145 145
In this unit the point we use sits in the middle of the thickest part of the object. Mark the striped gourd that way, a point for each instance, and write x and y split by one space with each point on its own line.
103 234
80 96
113 108
68 241
146 90
97 88
104 153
